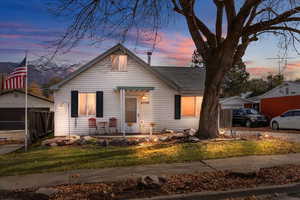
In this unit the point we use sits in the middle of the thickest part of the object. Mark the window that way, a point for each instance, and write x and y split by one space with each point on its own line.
119 63
297 113
288 114
87 104
190 106
251 112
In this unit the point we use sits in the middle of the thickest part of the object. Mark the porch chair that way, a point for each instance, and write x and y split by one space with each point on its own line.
101 126
112 124
92 124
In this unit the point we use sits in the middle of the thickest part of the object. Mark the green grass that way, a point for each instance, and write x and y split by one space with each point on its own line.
49 159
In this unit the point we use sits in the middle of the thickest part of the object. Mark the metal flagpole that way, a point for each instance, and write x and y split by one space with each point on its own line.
26 103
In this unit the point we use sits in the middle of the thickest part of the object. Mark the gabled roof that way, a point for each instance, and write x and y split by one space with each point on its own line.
29 94
183 79
226 100
278 87
118 47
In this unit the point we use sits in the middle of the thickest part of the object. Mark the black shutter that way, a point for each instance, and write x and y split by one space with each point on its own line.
99 104
74 103
177 106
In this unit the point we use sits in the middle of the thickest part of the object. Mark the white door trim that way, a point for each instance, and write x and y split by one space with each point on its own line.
135 128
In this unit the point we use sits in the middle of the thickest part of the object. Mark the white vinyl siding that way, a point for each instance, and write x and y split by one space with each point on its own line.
100 77
17 100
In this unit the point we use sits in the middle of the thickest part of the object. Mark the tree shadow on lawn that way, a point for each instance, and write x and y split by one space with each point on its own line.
56 159
46 162
90 157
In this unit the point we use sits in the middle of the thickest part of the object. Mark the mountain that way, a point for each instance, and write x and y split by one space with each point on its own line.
39 73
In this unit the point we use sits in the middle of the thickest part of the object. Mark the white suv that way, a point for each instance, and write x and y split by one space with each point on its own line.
288 120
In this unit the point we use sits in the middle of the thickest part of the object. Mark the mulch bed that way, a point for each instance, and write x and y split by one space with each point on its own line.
179 184
176 184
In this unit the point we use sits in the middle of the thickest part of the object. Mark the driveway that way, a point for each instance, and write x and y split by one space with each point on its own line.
13 135
11 141
289 135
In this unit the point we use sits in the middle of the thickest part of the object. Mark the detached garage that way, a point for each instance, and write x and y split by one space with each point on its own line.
273 107
12 108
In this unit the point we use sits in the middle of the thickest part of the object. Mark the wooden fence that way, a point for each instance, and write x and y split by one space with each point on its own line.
225 118
40 124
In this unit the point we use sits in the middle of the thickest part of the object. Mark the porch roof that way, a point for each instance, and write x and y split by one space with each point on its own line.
133 88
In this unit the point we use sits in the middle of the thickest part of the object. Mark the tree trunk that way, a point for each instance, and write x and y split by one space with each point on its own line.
208 124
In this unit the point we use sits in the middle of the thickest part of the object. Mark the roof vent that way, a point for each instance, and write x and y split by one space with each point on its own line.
149 54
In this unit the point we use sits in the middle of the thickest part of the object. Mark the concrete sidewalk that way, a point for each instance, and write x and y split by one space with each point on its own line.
246 164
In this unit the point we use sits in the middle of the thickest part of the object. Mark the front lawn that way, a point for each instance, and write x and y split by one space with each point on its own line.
48 159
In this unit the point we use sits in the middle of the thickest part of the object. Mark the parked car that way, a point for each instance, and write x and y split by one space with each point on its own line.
248 117
288 120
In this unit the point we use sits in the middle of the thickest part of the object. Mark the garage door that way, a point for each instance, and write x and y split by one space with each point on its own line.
13 118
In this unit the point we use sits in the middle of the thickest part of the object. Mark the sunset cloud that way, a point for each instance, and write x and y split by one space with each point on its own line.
258 72
172 49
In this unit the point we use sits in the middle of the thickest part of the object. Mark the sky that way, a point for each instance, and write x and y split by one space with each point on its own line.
28 25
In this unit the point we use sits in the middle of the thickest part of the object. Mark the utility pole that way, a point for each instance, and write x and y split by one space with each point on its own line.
280 61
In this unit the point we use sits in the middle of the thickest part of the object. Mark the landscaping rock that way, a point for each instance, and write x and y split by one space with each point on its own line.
81 141
60 141
193 139
178 136
119 142
165 139
169 131
87 138
53 144
151 182
46 191
244 173
190 132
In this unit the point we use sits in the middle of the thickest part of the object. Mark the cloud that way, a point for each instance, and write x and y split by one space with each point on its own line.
249 62
172 49
293 66
261 71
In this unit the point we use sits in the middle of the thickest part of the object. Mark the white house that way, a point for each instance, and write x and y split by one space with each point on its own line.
234 102
287 88
12 108
119 84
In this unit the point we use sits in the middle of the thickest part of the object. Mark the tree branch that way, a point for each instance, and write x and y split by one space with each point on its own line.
284 17
219 20
230 12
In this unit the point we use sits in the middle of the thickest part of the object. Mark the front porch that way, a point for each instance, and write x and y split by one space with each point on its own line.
135 111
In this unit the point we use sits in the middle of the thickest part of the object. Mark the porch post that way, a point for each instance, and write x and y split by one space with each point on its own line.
121 112
122 102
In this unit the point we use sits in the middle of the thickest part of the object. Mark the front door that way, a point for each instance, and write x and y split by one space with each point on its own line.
131 115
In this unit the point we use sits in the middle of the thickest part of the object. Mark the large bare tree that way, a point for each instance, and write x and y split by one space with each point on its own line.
238 23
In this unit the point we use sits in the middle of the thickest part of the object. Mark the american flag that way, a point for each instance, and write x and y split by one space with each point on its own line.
17 78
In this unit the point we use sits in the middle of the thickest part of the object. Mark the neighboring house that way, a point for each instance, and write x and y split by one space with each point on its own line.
285 89
119 84
278 100
12 108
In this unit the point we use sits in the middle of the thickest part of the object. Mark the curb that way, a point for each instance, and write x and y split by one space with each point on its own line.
295 187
